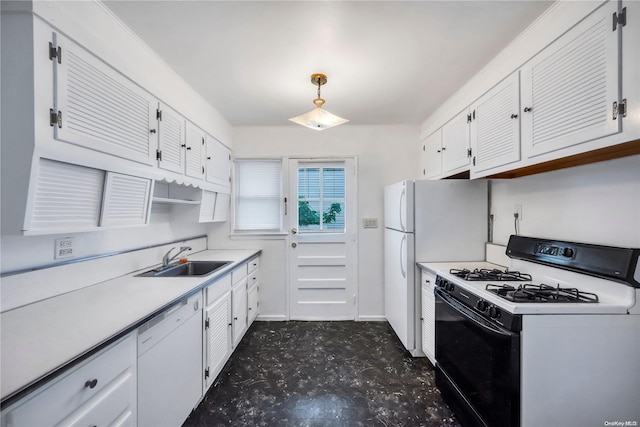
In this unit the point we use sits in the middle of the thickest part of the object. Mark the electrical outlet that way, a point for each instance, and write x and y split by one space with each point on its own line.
517 209
64 248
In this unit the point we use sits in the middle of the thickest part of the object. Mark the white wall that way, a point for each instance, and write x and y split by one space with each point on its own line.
597 203
385 154
22 252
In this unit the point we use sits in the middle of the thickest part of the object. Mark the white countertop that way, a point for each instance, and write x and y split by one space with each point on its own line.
39 338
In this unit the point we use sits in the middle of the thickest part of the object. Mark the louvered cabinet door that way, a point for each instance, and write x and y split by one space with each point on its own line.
431 155
218 164
221 212
99 108
126 200
569 88
207 206
218 337
455 143
171 139
195 140
495 126
64 197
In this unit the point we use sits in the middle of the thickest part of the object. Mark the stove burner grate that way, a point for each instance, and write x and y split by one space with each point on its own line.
541 293
485 274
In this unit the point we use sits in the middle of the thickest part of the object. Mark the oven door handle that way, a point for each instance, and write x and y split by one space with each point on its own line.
470 315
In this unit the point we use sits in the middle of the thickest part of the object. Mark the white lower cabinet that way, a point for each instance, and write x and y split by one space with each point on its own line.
428 316
217 329
253 283
99 391
239 311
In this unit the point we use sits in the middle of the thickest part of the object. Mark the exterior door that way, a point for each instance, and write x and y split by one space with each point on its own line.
322 240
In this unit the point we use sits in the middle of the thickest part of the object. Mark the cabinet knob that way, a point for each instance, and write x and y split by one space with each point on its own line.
152 131
91 383
527 109
209 158
183 145
188 148
444 148
514 116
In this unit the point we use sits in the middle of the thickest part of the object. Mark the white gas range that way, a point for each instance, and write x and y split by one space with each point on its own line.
553 340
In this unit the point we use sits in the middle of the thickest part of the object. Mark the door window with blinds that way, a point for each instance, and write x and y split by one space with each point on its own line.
321 198
258 196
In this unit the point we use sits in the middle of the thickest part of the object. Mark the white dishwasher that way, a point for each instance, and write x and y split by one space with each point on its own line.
170 365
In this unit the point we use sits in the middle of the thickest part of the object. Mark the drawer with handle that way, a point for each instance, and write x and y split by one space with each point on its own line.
65 394
254 264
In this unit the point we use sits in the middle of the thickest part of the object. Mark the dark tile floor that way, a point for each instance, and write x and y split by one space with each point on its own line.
323 374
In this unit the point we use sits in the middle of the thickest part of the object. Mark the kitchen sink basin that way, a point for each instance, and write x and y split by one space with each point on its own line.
187 269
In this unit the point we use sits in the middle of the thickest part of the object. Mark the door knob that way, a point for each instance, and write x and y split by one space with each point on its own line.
294 231
294 244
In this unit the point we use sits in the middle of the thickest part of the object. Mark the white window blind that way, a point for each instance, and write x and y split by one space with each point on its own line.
258 195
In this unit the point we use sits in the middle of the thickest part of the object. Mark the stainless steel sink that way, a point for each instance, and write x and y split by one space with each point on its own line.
190 268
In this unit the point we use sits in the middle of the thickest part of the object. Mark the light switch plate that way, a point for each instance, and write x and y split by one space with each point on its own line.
370 222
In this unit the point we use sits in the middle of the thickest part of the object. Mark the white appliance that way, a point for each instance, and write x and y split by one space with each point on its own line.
427 221
169 377
555 338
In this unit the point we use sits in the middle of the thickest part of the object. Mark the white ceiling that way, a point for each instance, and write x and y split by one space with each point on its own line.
388 62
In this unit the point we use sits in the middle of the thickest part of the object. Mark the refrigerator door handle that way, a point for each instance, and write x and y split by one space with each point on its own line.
403 255
403 196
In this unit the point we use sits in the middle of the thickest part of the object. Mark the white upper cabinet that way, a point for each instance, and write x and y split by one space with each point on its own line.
171 139
223 203
126 200
207 206
195 151
495 126
431 155
65 197
218 165
456 143
98 108
569 89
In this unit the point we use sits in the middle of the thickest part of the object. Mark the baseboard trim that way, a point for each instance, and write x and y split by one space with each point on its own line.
271 318
371 318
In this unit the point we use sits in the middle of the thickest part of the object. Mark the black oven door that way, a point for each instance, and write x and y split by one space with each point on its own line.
478 365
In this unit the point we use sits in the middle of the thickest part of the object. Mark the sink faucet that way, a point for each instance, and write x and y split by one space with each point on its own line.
166 259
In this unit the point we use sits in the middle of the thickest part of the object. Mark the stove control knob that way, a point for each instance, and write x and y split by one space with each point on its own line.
449 286
482 305
568 252
494 312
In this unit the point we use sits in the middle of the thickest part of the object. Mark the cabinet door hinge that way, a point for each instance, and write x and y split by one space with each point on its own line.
206 323
159 114
206 373
474 160
619 109
468 118
55 52
468 152
203 170
55 118
203 140
620 18
159 155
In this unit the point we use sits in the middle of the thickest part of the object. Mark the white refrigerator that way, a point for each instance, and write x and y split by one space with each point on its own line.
427 221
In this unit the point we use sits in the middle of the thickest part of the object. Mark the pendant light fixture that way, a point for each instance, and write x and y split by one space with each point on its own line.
318 118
